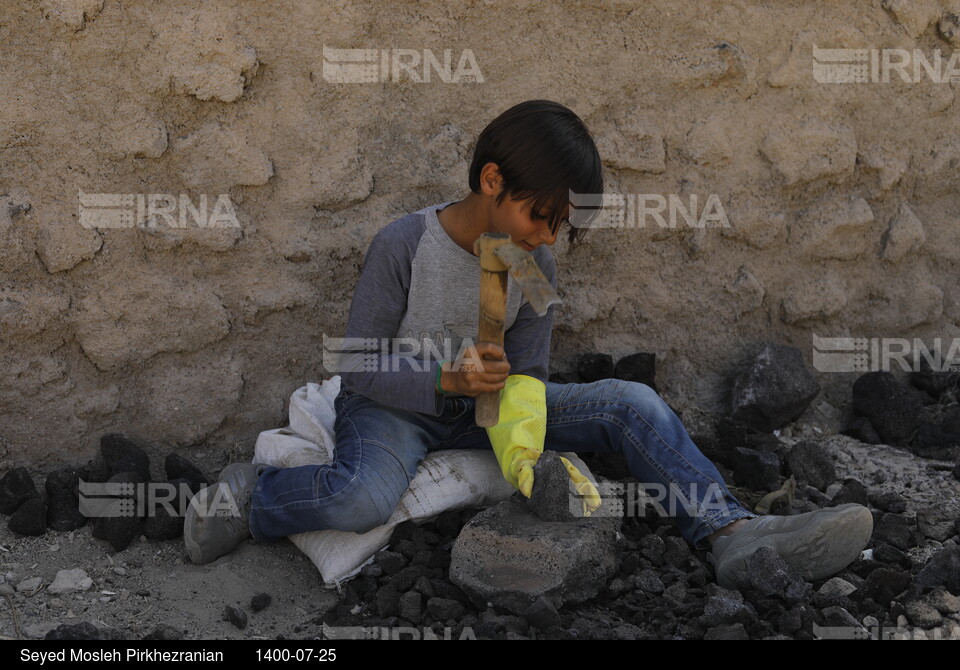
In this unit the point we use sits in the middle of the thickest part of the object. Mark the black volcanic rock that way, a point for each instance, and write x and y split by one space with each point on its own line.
594 367
121 454
639 367
16 487
30 518
775 389
811 463
892 408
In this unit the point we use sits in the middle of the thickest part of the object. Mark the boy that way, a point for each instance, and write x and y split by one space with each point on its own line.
421 277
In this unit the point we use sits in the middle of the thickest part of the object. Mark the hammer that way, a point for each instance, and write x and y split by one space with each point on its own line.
498 256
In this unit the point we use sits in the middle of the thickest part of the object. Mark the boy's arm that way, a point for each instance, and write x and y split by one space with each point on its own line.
379 303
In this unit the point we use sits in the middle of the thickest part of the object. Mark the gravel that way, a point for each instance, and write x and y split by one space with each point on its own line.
662 588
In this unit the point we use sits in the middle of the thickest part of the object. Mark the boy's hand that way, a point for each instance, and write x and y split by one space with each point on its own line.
518 438
522 469
482 368
589 496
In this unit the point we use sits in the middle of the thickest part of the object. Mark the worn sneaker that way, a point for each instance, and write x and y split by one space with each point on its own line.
218 517
816 544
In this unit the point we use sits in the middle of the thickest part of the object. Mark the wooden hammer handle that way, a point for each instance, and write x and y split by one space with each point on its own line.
493 310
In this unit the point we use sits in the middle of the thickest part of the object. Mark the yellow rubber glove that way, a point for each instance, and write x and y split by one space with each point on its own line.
585 488
517 439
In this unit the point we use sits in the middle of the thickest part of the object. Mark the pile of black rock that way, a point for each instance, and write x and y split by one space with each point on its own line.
923 417
116 502
662 589
906 584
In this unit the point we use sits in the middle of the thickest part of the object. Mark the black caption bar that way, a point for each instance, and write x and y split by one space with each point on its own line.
49 653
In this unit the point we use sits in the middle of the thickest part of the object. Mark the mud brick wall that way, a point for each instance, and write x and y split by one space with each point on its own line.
842 199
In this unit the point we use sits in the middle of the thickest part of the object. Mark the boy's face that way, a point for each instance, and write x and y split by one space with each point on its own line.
527 228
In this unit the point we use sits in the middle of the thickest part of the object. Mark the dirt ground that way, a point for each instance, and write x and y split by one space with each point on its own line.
151 583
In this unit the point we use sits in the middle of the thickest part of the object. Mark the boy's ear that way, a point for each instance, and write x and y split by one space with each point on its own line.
491 182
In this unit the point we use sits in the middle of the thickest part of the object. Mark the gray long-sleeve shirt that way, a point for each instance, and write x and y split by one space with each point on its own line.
417 303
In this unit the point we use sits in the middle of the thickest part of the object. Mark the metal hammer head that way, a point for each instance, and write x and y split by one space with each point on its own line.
525 271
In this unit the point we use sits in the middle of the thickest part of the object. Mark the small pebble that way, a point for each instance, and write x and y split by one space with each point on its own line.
70 581
260 601
236 616
29 585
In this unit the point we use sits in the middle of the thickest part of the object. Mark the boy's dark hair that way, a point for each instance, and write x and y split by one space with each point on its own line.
543 151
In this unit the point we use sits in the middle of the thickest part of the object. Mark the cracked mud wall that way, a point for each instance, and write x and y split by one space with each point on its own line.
842 200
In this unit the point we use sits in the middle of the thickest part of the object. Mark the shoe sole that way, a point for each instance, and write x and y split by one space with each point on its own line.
190 524
200 548
807 548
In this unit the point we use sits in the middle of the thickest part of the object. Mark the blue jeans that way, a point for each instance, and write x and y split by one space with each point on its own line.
379 448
